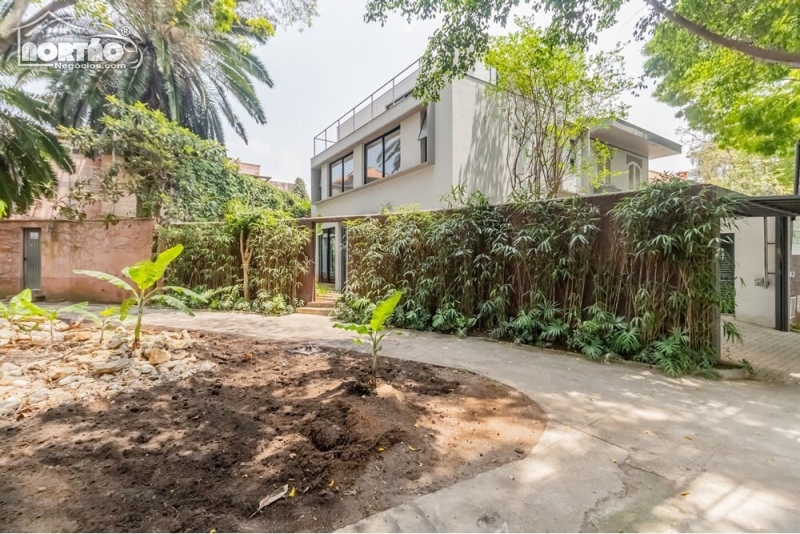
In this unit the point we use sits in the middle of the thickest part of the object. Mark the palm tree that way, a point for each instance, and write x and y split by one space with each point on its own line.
189 70
28 150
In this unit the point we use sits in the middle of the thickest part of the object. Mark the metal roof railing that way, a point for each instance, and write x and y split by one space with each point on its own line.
374 105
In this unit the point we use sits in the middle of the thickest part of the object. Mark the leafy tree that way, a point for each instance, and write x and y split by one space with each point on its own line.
764 31
149 151
299 188
742 103
190 71
174 174
224 13
29 151
550 95
740 171
197 58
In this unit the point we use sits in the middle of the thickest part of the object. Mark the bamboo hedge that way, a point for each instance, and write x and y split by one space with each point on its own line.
217 258
635 280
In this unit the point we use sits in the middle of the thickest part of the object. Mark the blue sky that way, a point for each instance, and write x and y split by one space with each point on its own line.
323 71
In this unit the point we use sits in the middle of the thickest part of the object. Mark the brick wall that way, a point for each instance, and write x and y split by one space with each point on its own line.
67 245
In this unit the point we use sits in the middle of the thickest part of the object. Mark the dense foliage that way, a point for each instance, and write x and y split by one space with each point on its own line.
174 174
741 103
636 281
763 32
197 62
737 170
30 152
551 94
214 257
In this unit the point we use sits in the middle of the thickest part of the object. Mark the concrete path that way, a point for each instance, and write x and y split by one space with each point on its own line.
774 355
625 448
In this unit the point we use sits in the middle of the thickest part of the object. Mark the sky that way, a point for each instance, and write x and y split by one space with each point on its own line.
323 71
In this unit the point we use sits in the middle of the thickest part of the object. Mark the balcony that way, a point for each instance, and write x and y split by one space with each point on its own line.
389 94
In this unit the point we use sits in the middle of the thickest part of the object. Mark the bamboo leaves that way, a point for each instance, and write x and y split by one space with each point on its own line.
545 273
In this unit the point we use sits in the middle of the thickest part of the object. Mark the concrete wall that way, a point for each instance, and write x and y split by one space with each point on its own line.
480 142
416 183
67 246
470 139
755 303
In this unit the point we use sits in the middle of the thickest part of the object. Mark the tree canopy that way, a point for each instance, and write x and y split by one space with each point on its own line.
174 174
30 152
550 95
763 32
743 104
737 170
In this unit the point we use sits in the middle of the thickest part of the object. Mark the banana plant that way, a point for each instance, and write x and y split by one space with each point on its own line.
104 317
52 315
145 276
374 331
17 314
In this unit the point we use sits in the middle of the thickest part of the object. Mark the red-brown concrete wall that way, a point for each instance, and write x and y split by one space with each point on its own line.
68 245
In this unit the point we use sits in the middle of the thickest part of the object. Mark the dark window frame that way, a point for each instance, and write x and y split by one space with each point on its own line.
330 173
382 139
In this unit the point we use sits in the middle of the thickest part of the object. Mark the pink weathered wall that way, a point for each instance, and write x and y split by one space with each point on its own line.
68 245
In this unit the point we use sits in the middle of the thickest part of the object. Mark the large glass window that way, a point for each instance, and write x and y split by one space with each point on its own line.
340 175
382 157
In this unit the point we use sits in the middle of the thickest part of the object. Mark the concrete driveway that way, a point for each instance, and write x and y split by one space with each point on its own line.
625 448
775 355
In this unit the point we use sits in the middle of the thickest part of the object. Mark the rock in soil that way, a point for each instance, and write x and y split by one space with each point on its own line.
157 356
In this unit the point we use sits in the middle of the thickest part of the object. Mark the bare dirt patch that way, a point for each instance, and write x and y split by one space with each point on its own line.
201 452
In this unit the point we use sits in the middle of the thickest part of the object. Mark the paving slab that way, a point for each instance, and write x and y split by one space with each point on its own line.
625 448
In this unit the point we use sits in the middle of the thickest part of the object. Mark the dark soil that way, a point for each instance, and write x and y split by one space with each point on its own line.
201 454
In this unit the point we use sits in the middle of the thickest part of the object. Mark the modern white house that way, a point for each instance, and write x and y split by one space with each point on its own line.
392 150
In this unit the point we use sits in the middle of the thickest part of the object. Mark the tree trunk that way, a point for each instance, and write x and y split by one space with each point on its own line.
246 254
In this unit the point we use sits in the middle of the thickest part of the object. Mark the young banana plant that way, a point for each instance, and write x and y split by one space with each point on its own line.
145 275
374 331
52 315
17 314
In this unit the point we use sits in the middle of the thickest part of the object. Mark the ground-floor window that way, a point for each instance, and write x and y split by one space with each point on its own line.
327 256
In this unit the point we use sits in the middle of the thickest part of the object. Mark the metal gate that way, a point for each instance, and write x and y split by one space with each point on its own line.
727 275
32 258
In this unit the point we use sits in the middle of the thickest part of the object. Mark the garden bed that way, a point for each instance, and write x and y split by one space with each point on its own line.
199 451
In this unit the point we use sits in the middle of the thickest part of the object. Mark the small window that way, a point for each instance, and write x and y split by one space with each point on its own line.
382 157
634 176
423 138
340 175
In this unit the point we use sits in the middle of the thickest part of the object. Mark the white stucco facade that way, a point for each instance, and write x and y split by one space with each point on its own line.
461 140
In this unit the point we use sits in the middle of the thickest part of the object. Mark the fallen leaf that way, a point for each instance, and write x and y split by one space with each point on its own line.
381 449
412 448
293 493
332 484
684 494
212 531
687 437
266 501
